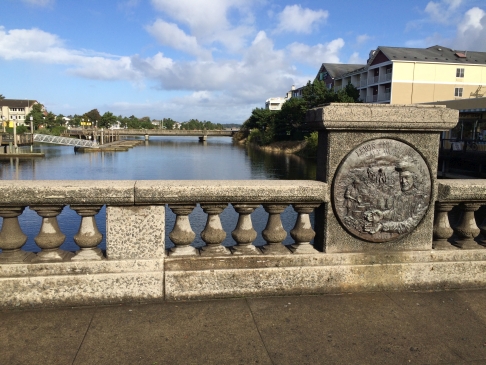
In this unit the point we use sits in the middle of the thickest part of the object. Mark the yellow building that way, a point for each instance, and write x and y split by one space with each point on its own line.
396 75
15 110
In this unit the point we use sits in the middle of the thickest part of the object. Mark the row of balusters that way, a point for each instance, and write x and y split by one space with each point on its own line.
50 238
466 234
244 234
88 237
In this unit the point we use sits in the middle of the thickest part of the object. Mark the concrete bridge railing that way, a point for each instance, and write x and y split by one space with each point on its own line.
137 267
382 221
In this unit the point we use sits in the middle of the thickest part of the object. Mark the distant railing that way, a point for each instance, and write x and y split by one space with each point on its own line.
372 98
67 141
385 77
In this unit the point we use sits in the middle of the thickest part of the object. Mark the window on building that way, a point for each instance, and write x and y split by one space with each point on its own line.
458 92
459 72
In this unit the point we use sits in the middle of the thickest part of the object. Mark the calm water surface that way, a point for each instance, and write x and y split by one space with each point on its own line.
161 158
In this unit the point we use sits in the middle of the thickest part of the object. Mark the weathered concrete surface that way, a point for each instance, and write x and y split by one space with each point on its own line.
135 232
229 191
360 328
65 192
383 117
461 190
80 283
324 273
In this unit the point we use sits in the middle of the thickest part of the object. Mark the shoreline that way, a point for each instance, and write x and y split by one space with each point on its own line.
284 147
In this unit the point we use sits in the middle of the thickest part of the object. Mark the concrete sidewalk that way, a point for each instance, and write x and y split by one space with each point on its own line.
366 328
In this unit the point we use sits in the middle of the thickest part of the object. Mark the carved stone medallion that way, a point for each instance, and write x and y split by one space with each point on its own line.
381 190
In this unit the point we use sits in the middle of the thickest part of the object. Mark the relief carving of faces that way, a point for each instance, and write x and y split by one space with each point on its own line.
381 190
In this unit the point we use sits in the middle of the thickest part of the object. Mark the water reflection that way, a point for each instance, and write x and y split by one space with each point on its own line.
160 158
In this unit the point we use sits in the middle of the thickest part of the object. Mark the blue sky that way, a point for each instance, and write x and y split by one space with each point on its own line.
207 59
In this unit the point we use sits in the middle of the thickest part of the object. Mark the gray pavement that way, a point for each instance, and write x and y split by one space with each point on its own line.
365 328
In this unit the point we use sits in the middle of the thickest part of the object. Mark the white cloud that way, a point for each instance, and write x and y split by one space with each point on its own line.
361 39
471 31
296 19
262 71
41 3
209 22
169 34
316 55
441 12
356 59
22 43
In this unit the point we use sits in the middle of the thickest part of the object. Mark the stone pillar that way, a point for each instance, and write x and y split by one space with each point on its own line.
274 233
380 164
182 234
244 234
12 238
50 237
302 233
467 230
88 236
213 234
442 227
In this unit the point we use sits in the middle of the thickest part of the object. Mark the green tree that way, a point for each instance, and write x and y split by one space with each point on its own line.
107 120
50 120
290 118
76 120
352 92
260 119
37 114
59 121
2 97
94 116
168 123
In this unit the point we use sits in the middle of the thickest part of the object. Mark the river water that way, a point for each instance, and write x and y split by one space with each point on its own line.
160 158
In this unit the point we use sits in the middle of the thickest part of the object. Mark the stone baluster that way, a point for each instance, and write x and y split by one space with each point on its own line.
482 228
442 228
50 237
244 234
12 238
182 234
213 234
88 236
467 230
274 233
302 233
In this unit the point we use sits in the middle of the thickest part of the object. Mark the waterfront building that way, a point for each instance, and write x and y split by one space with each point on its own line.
398 75
275 103
16 110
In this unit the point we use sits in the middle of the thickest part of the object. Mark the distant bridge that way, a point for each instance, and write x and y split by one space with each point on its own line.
202 134
176 132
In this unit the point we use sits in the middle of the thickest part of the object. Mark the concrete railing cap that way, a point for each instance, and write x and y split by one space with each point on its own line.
343 116
462 190
230 191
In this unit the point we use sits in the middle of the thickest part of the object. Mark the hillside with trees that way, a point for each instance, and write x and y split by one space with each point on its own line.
288 124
